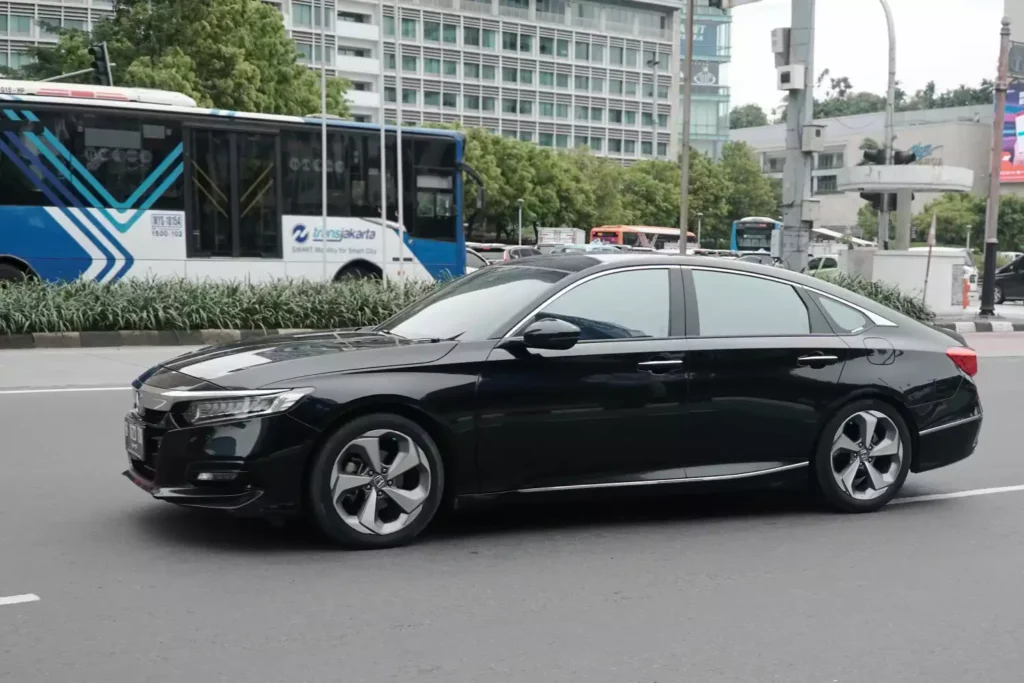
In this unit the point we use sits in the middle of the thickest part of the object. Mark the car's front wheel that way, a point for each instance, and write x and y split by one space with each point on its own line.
863 457
999 295
376 483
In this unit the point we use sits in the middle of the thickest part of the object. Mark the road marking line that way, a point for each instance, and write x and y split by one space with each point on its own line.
17 599
957 494
11 392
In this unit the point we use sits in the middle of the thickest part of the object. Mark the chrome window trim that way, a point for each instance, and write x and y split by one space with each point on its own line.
164 399
657 482
873 317
949 425
554 297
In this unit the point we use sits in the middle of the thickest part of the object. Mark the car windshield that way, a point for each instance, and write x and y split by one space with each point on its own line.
471 308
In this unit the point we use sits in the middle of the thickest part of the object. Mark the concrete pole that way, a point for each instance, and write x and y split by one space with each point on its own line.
890 134
684 153
988 288
796 183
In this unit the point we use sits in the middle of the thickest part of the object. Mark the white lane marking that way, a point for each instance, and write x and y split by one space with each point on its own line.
17 599
65 390
957 494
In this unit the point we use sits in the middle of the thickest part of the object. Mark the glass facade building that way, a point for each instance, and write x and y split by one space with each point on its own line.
709 113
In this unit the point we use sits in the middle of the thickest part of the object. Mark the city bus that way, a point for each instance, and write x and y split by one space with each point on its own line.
753 234
644 236
106 183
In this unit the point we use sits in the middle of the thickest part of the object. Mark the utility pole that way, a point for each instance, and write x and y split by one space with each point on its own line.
684 154
519 206
796 185
700 218
890 135
988 288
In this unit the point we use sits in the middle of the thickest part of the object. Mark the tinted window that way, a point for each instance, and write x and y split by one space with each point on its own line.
844 319
623 305
472 308
474 261
113 153
732 305
301 165
435 215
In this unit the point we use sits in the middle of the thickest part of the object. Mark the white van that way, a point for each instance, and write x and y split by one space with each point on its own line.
970 270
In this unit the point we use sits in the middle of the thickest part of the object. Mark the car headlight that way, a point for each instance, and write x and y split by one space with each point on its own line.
243 405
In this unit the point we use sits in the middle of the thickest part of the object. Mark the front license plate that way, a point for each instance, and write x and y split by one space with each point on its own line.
134 438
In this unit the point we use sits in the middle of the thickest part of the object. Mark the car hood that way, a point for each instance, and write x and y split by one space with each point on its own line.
268 360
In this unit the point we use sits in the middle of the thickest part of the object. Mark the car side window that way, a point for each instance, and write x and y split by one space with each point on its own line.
844 319
735 305
474 261
626 305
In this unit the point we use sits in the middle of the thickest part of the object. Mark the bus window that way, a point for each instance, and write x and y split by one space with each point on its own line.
436 217
259 223
301 163
212 206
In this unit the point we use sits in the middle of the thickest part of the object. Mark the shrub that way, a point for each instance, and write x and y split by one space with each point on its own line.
164 304
885 294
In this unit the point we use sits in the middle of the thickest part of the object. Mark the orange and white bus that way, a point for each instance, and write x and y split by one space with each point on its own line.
640 236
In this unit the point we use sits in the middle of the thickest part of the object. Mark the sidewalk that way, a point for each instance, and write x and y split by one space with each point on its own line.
1009 318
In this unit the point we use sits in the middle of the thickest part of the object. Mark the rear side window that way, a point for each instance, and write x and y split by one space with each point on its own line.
734 305
474 261
844 319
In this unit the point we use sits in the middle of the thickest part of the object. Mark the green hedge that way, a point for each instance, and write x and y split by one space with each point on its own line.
887 295
35 306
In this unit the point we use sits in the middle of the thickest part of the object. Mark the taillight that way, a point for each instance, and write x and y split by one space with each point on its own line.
505 257
964 358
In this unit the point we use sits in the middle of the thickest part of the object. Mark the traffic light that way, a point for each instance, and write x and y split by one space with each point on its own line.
878 157
100 64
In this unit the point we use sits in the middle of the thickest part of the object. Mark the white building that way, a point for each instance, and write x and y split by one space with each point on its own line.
959 136
598 74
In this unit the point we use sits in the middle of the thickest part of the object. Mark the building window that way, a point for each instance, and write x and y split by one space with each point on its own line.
596 114
647 120
525 77
74 24
509 41
581 141
488 38
562 111
547 47
547 78
526 136
305 52
662 92
390 95
432 31
409 95
408 28
510 134
546 140
509 106
582 113
582 83
582 51
526 43
526 107
662 120
597 53
450 100
432 99
472 102
451 68
488 72
353 18
562 81
645 149
547 110
614 146
389 26
596 144
615 86
631 87
471 70
830 161
614 116
509 75
662 149
632 57
562 48
562 141
471 36
451 34
409 63
630 118
629 147
615 56
775 165
827 184
431 66
302 15
596 84
389 61
487 104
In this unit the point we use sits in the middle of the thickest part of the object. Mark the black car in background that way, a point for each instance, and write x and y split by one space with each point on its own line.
560 373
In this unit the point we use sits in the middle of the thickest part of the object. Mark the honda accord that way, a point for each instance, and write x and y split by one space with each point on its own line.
560 373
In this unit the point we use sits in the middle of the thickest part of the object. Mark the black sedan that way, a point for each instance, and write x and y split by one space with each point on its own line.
554 374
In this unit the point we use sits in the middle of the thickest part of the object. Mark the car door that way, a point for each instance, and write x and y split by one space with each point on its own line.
763 365
607 411
1013 284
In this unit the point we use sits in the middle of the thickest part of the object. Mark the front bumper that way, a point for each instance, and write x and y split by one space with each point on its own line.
251 467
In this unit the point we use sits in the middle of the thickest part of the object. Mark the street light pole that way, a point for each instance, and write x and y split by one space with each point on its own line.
988 288
890 107
684 155
519 205
700 218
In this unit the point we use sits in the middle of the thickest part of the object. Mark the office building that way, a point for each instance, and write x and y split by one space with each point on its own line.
560 74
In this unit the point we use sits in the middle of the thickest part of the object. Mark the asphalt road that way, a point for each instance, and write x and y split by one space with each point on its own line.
711 589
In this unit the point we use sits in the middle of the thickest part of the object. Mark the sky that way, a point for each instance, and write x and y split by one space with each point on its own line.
951 42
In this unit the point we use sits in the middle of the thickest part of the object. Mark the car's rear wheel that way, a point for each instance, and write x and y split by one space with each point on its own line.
376 483
863 457
999 296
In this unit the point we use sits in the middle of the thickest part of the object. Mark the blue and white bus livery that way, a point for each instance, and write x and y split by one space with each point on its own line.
105 183
753 234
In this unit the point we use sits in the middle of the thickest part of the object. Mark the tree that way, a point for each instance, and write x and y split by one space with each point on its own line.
747 116
954 212
751 192
228 54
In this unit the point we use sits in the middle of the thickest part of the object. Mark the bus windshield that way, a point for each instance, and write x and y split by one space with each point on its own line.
102 190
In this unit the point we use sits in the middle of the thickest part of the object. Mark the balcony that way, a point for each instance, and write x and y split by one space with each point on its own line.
358 65
362 100
354 31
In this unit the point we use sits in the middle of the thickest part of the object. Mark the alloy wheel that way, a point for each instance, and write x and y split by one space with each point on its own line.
379 482
867 454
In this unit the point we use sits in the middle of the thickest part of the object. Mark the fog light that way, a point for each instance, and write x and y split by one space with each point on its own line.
217 476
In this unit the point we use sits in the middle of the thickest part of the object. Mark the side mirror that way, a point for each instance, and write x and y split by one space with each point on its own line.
552 334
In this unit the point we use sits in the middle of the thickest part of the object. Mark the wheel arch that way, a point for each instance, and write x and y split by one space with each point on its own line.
359 265
402 406
20 264
887 396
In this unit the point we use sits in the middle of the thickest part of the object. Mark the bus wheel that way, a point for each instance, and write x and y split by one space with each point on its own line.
9 273
358 271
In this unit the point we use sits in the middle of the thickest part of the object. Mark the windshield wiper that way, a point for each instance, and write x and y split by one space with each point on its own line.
432 340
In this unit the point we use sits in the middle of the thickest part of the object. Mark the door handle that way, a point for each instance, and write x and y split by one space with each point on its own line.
816 358
659 363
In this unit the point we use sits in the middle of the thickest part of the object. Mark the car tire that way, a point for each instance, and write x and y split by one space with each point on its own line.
999 296
9 273
865 479
405 502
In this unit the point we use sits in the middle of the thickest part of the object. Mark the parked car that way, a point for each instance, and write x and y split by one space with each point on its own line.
493 253
587 249
569 373
1009 285
821 264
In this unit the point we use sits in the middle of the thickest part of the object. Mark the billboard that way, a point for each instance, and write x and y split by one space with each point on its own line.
1011 169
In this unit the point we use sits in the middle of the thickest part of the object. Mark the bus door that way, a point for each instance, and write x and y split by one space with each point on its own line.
234 185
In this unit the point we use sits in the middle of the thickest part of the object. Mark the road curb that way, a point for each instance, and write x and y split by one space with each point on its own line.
77 340
987 326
